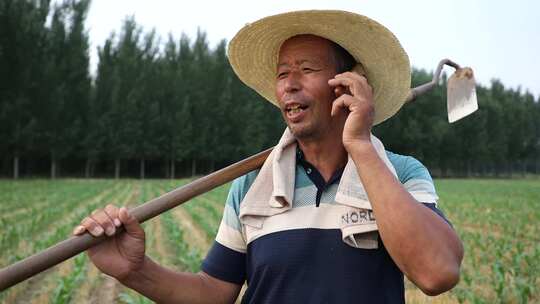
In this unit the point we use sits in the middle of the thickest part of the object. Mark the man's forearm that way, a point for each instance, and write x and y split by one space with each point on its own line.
164 285
421 243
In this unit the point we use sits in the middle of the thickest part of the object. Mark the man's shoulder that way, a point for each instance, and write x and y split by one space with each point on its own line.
240 186
408 167
244 182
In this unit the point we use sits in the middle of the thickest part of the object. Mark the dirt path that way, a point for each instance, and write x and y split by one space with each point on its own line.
85 290
106 290
196 236
159 250
216 205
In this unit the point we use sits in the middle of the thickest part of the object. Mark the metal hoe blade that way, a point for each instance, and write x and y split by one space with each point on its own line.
461 94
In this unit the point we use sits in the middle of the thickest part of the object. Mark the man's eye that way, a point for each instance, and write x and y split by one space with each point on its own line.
282 75
310 70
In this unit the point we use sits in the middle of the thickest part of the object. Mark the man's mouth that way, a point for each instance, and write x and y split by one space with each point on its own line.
294 109
295 112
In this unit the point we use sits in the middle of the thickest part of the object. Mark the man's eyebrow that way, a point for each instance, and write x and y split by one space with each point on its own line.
299 62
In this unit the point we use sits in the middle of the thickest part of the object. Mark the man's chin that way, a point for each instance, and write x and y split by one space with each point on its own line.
301 132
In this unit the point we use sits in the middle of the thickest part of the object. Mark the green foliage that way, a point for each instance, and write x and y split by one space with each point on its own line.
501 137
23 40
496 221
130 299
67 285
179 106
185 255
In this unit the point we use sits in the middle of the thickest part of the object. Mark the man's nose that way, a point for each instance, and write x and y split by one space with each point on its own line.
292 82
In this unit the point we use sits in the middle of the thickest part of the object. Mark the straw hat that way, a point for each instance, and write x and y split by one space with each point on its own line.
253 53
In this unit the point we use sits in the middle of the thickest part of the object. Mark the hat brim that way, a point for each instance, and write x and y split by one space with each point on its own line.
253 53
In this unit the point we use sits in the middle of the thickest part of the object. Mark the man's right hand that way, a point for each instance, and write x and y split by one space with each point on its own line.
123 253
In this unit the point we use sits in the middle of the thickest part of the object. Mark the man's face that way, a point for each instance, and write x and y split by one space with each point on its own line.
304 67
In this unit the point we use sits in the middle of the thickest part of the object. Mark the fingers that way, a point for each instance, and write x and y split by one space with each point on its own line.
131 224
79 230
340 90
342 102
104 220
112 212
357 84
88 224
99 222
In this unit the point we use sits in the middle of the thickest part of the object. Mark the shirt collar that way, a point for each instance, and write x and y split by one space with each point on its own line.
314 174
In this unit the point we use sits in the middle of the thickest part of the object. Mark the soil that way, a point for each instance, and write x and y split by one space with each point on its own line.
196 236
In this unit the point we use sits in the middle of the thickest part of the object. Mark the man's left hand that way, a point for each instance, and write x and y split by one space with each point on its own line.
358 102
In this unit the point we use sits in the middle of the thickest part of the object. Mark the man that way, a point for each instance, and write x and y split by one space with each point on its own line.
331 217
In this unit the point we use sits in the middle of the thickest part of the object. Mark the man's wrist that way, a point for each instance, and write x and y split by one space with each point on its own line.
140 276
359 147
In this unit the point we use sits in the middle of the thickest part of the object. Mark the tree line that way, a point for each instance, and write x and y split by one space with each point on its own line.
173 107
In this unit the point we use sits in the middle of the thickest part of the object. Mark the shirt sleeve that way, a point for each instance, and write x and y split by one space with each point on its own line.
438 212
417 181
225 264
226 259
415 178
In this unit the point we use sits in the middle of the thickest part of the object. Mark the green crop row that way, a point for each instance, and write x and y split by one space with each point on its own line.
43 233
496 222
68 284
31 203
203 211
37 220
55 231
43 193
184 255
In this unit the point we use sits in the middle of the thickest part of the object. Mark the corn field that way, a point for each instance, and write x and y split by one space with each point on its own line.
498 221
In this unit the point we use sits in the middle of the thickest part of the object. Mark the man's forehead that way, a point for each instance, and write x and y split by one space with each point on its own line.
306 47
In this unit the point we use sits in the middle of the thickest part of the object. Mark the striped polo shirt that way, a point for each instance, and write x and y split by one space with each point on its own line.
299 256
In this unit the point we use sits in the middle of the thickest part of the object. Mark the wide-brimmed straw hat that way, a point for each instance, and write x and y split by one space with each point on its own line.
253 53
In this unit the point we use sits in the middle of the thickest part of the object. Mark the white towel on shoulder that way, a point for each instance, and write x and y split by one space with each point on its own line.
272 192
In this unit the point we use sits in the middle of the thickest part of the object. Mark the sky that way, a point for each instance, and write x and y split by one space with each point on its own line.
498 39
